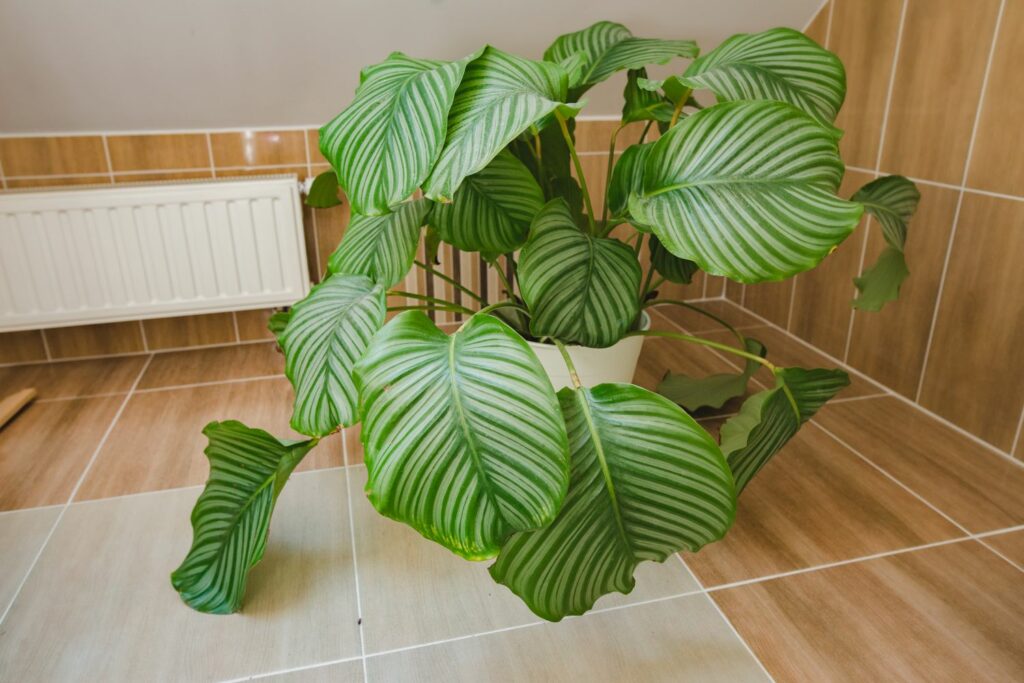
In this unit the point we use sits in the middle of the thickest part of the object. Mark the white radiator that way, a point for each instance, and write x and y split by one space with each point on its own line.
114 253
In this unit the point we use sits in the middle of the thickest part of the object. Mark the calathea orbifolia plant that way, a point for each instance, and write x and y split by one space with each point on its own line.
465 439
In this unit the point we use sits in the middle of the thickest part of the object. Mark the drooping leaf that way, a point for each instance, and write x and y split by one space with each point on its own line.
610 47
746 190
627 178
381 247
769 419
881 283
277 322
670 266
500 96
329 331
323 193
643 105
230 521
492 210
464 441
778 64
579 288
674 89
646 482
386 142
892 200
713 391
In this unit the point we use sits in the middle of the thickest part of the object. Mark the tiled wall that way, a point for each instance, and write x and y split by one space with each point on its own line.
934 93
115 158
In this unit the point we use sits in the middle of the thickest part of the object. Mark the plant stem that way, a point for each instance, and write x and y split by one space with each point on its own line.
451 281
608 173
647 282
568 363
428 299
639 244
501 304
432 307
643 135
579 172
703 342
654 285
503 277
676 302
679 108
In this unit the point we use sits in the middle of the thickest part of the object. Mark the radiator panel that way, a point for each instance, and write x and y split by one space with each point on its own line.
94 255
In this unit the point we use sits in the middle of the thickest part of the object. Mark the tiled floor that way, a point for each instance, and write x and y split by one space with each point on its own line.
881 544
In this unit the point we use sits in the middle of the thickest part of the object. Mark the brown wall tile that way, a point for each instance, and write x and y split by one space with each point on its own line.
94 340
330 227
162 177
771 300
300 171
864 37
889 345
22 347
938 81
192 330
818 28
151 152
995 161
52 155
313 146
977 354
259 148
253 324
734 291
56 182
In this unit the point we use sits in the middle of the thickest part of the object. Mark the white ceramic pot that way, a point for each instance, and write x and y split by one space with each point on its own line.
615 363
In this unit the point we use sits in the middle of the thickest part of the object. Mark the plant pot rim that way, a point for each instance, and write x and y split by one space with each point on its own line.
645 324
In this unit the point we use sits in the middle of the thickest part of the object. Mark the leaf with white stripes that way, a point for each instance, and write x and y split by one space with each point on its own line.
463 437
381 247
646 482
892 200
230 521
579 288
610 47
670 266
627 178
746 190
778 64
769 419
328 332
385 143
501 95
493 209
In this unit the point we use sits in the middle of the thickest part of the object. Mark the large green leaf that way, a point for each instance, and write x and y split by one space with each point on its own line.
627 178
492 210
769 419
746 190
385 143
881 283
609 47
578 288
381 247
230 521
328 332
670 266
646 482
500 96
713 391
778 64
892 200
464 441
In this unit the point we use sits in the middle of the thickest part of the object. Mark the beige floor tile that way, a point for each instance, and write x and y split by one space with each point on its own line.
675 640
950 613
1011 545
975 487
414 591
343 672
22 533
213 365
695 323
99 605
45 449
816 503
158 441
72 379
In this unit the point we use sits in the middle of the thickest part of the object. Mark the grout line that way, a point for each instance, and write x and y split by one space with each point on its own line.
234 320
960 201
828 25
46 346
209 155
1016 438
297 669
193 385
3 180
131 354
145 341
792 304
355 561
74 491
106 155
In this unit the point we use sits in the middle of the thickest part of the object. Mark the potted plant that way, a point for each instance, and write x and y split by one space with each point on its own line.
466 439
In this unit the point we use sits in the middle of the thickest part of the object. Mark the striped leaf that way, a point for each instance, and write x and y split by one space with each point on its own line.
578 288
769 419
713 391
328 332
385 143
892 200
230 521
500 96
670 266
610 47
881 283
646 482
381 247
779 64
492 210
746 190
277 322
627 178
463 438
